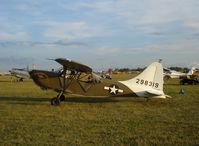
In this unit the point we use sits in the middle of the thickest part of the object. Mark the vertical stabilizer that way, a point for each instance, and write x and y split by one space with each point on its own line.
149 82
191 71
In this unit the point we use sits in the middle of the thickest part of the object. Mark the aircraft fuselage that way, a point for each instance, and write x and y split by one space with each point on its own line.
73 85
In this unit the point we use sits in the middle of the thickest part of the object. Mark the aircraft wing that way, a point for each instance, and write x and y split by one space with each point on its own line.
19 69
72 65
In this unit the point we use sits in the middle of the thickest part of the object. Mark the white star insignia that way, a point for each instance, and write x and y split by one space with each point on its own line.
113 89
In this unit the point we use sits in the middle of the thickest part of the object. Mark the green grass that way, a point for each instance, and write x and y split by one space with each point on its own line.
27 118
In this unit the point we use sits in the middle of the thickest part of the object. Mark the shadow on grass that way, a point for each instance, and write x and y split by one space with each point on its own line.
68 99
106 100
173 84
90 99
39 100
23 99
36 100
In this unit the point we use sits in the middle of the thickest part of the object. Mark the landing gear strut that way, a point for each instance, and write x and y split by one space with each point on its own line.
56 100
60 97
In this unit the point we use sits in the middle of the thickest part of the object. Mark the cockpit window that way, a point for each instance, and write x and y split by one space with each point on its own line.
89 78
59 70
96 78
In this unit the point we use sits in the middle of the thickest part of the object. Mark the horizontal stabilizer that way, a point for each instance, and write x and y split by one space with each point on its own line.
156 93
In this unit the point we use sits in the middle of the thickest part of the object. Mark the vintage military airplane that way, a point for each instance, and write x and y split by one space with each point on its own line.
78 79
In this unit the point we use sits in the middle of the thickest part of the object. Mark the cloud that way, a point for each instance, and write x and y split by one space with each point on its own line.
71 30
121 27
13 60
32 9
152 17
194 64
12 31
147 15
106 51
13 36
183 46
180 46
69 43
193 24
41 44
100 6
135 12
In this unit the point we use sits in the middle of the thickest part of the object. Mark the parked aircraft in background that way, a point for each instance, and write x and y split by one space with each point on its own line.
78 79
168 73
193 71
4 73
20 74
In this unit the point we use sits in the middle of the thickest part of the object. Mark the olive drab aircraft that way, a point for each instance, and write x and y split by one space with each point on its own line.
78 79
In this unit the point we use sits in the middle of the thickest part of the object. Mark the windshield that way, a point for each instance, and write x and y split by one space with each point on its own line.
89 78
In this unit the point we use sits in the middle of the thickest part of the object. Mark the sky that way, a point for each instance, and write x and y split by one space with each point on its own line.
99 33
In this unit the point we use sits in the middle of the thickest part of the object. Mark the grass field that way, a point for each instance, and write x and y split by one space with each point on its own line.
27 118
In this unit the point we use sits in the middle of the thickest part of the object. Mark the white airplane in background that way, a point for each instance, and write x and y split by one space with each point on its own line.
168 73
20 74
4 73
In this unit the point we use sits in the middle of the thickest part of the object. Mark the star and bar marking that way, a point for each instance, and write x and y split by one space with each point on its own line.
113 89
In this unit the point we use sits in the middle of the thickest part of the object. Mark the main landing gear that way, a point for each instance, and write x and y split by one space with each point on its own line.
56 100
60 97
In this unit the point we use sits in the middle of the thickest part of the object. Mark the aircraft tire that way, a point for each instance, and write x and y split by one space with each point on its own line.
62 98
55 101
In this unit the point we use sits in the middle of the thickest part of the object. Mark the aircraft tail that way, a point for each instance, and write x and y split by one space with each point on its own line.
192 71
149 82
